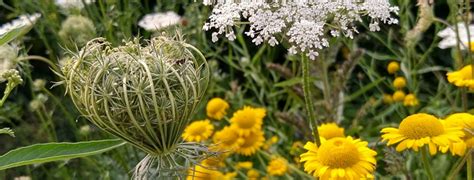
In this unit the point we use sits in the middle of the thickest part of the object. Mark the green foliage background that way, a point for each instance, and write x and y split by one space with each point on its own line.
243 74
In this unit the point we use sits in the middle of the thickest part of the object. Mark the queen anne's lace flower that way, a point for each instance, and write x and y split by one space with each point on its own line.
20 22
157 21
306 23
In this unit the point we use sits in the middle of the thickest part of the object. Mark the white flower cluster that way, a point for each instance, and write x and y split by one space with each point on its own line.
21 22
449 36
72 4
306 24
157 21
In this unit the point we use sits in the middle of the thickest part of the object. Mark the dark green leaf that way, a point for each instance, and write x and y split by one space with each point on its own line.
41 153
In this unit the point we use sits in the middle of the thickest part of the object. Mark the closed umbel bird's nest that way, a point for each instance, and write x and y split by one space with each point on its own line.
145 95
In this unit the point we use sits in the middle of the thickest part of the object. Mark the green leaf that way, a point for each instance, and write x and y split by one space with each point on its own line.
363 90
289 82
41 153
380 56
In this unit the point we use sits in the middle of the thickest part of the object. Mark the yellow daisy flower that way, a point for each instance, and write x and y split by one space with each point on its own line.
217 108
421 129
399 82
248 120
466 122
253 174
471 44
330 130
410 100
339 158
227 139
398 96
252 143
198 131
393 67
462 77
277 167
387 99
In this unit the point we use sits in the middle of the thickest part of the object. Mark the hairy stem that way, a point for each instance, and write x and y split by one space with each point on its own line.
308 99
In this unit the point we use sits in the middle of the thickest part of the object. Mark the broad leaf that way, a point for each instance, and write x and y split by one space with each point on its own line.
41 153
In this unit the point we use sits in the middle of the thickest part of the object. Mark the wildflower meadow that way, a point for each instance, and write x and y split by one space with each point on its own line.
236 89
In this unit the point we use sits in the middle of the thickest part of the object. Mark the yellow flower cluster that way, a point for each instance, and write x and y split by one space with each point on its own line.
244 135
462 77
199 131
338 157
399 83
418 130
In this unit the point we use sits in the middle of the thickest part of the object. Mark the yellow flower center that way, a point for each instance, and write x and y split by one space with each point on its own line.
420 126
230 138
338 153
250 141
246 120
197 130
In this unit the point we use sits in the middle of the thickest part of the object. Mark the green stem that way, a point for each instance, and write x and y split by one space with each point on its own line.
6 93
426 163
308 99
42 59
469 166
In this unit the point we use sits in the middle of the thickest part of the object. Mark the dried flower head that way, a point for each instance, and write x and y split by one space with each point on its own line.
306 24
142 94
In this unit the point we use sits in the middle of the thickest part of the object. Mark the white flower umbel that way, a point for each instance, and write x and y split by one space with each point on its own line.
307 24
157 21
21 22
72 4
449 36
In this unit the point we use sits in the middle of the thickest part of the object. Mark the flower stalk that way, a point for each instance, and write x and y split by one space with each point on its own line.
426 163
308 99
